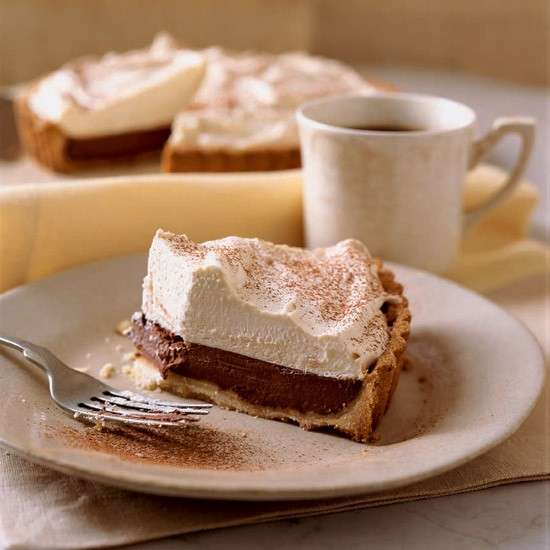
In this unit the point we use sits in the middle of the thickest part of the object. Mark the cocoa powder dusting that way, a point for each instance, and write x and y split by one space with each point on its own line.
194 446
337 283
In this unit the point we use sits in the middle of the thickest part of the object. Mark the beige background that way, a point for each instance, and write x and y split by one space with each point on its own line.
503 39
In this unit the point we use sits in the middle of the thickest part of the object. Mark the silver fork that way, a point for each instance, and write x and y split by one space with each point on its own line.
86 397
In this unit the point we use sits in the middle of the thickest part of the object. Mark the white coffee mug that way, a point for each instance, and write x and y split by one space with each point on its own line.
389 169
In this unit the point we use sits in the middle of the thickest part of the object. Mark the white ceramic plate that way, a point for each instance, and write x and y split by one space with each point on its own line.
474 376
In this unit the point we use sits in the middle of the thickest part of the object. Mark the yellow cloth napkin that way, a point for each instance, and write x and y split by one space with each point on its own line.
48 227
496 251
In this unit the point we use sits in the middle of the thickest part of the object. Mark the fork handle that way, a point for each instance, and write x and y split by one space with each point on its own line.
13 343
30 351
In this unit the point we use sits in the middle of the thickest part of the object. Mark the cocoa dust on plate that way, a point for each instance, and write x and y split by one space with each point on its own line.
194 446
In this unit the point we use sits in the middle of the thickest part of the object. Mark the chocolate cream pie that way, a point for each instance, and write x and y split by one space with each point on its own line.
311 337
114 108
212 110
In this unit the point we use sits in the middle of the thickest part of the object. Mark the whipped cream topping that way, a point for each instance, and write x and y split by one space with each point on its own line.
120 92
235 129
316 311
248 100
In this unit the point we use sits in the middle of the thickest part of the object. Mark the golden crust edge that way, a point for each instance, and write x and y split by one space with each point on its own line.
174 160
43 140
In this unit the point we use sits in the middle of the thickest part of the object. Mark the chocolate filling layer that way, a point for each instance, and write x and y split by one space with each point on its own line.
255 381
118 145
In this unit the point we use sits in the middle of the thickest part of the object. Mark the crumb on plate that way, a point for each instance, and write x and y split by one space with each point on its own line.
130 356
107 370
123 328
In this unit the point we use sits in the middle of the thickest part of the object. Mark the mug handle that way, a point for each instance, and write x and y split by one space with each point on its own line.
524 127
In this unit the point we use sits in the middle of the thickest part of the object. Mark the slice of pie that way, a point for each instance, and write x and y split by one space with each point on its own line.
115 108
311 337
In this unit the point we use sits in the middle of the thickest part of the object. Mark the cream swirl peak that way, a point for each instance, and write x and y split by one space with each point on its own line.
120 92
316 311
276 80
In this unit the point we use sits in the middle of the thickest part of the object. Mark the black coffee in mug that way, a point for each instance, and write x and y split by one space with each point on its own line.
384 128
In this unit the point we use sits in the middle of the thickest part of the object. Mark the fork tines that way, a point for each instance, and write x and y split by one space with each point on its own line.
142 400
125 406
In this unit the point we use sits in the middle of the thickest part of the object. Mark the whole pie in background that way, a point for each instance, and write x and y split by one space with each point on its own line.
211 110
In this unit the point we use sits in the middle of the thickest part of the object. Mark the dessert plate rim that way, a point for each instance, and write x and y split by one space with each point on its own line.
275 485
